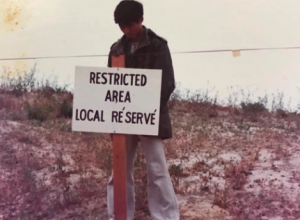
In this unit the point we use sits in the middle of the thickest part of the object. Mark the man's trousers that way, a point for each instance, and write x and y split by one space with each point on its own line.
161 196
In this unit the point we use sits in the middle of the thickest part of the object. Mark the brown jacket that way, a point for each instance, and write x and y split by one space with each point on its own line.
151 53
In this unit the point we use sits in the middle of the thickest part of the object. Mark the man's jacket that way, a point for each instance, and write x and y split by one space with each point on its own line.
151 53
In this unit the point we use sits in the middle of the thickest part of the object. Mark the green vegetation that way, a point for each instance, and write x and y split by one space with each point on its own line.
38 99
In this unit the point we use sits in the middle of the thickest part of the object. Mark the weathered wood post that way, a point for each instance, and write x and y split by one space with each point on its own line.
119 162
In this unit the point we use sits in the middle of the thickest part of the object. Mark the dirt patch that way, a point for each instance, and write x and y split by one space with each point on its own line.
224 166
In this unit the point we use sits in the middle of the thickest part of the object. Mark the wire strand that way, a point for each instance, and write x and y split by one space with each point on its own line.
180 52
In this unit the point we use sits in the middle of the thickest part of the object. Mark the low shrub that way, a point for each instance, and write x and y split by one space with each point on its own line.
255 107
175 170
66 109
38 110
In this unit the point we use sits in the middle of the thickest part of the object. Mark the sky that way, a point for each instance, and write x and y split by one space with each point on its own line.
39 28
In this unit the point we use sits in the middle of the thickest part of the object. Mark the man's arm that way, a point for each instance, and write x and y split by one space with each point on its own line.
164 62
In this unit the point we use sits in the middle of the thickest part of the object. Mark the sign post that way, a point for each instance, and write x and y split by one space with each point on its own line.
119 163
118 101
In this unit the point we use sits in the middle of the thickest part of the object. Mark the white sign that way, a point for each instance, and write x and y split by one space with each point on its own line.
116 100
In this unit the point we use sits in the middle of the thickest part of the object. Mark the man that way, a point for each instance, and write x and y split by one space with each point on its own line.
144 49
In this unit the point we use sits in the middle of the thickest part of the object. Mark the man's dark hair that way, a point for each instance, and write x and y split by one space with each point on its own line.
128 11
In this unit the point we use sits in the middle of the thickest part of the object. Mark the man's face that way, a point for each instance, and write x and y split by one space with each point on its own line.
133 30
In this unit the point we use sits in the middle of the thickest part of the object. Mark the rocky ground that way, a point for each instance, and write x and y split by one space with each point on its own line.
225 163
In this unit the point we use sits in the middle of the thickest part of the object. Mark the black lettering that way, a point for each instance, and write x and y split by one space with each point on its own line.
121 96
128 119
110 78
121 117
77 118
131 75
114 117
92 77
98 78
125 83
152 119
121 79
139 118
102 118
89 114
104 78
108 96
96 116
127 97
134 117
147 118
115 96
143 80
137 79
117 78
82 114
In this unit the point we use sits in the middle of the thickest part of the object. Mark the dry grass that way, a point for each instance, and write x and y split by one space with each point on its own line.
49 172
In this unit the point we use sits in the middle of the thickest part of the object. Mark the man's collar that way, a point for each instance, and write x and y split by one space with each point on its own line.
144 41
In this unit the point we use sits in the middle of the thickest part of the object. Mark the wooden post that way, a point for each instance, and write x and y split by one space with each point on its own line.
119 163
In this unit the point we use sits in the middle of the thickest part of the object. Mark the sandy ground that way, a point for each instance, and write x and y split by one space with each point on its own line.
221 169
